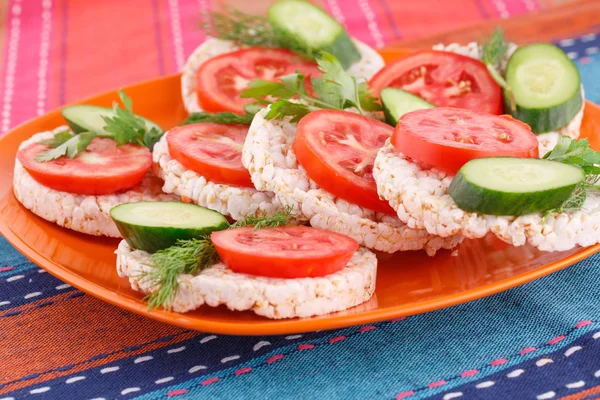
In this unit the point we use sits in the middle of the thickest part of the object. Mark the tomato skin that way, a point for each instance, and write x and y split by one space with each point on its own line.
285 252
211 150
447 138
221 79
104 168
321 165
440 84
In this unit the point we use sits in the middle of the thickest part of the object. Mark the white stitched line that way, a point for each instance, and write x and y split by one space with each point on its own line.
260 344
575 385
34 294
75 379
40 390
176 350
109 369
572 350
230 358
547 395
142 359
372 23
11 64
514 373
176 32
61 287
15 278
196 368
164 380
130 390
208 338
44 51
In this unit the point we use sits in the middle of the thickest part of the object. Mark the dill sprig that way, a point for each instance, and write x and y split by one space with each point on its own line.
193 255
494 49
237 26
250 30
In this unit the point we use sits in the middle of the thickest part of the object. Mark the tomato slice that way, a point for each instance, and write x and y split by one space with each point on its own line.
284 252
212 150
220 80
444 79
103 168
446 138
338 149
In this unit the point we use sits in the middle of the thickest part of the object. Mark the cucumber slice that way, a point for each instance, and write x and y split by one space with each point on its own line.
152 226
513 186
86 118
397 102
546 87
307 26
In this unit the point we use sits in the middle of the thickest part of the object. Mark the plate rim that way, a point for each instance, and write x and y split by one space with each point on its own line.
284 326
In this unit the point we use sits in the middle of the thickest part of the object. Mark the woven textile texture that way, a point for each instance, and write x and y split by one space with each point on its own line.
537 341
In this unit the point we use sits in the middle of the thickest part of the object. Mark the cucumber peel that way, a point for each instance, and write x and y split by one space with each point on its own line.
514 186
153 226
546 87
88 118
305 27
397 102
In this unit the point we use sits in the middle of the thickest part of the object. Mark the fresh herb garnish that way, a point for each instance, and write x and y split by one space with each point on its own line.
219 118
125 127
250 30
193 255
494 51
334 89
65 144
578 153
128 127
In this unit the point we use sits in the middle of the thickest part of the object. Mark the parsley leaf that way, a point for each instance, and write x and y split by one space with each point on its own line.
58 139
65 144
127 127
577 153
219 118
335 89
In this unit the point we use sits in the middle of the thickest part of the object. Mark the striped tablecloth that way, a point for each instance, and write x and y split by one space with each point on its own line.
539 340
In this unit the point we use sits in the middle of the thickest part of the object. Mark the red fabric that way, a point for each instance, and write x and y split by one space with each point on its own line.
59 51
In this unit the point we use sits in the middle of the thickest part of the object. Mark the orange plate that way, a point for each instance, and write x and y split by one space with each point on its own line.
407 283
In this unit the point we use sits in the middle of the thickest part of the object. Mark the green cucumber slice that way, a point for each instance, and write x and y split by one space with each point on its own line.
86 118
397 102
513 186
546 87
307 26
152 226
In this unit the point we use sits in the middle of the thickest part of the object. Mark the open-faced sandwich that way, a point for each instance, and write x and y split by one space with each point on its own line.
184 256
455 171
536 83
315 151
244 47
201 162
74 175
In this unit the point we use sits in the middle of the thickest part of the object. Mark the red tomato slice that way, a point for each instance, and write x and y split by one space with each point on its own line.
220 80
103 168
284 252
212 150
446 138
444 79
338 149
